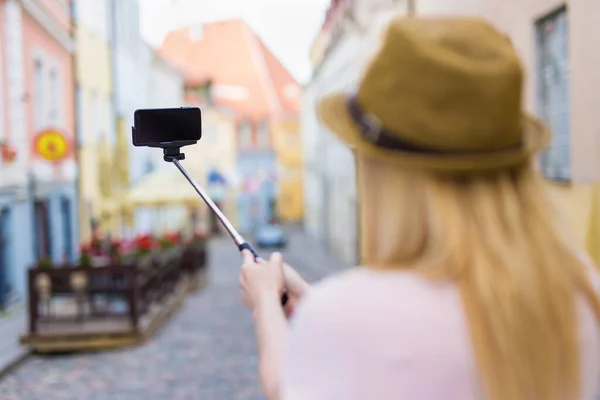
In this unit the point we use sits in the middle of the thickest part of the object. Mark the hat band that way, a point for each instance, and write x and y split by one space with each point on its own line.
373 131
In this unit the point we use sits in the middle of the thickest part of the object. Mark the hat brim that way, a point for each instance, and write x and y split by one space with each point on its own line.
333 112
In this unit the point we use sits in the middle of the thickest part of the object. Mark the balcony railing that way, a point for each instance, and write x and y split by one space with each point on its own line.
116 300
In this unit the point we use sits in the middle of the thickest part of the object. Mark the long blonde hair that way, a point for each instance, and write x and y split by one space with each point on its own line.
496 236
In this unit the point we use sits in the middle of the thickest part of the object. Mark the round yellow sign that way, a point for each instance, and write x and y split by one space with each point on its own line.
51 145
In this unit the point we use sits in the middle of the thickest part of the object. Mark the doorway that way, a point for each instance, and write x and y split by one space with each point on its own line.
42 230
67 229
4 257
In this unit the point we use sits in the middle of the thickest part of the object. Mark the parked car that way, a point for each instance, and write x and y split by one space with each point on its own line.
270 236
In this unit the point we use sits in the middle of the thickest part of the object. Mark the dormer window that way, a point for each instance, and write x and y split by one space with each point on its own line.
200 93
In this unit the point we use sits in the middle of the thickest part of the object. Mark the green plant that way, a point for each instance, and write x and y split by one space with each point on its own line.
85 258
45 262
115 250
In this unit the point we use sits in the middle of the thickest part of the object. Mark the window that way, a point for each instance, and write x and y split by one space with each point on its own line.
245 135
74 10
54 106
39 93
5 235
89 19
553 92
199 93
94 118
65 209
262 135
149 166
42 233
102 18
79 114
290 139
209 132
2 137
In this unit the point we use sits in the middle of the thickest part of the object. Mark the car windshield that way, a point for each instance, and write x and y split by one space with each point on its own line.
269 230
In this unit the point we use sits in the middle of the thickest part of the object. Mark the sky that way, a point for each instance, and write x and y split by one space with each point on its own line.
288 27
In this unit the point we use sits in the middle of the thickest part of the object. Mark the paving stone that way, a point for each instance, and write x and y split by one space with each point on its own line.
206 352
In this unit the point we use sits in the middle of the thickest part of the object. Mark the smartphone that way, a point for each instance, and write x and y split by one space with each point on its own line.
163 127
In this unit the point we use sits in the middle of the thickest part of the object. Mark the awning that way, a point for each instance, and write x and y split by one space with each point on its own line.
215 177
109 207
162 188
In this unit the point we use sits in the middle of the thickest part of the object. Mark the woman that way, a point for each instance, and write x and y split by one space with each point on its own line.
467 289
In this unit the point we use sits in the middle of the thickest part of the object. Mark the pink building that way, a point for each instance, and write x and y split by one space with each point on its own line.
38 197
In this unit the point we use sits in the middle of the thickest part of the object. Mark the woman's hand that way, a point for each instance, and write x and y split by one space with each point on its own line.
265 281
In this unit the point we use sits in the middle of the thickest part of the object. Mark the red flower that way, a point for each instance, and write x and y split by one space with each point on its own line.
7 153
173 238
85 248
200 235
144 242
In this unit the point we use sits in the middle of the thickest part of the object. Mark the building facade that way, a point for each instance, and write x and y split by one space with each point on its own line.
290 189
165 89
248 80
131 70
95 111
349 36
38 170
556 41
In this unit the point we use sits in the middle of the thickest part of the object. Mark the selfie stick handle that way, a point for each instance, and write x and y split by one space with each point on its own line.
237 238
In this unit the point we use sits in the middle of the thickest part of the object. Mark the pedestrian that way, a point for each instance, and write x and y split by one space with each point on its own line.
468 289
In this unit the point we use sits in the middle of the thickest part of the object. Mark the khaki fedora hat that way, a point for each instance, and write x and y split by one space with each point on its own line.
442 94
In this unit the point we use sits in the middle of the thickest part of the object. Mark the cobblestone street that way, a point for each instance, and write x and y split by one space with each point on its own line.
206 352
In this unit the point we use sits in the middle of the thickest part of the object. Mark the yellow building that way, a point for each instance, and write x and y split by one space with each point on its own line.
95 123
556 42
288 146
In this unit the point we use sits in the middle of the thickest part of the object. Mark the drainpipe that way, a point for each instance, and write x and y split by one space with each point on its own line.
77 125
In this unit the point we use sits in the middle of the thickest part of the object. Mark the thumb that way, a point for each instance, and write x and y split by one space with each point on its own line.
277 259
247 256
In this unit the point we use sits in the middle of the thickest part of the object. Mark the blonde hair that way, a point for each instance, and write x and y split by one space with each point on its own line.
496 236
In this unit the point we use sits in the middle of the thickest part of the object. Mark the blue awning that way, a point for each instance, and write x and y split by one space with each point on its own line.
214 177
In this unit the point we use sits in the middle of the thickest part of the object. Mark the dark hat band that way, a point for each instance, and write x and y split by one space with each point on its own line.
374 132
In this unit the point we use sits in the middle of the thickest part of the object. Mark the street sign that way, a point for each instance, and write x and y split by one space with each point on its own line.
51 145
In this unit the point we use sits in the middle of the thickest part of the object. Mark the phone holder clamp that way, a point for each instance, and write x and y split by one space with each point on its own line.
173 153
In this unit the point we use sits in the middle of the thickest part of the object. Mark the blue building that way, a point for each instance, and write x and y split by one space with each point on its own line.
256 206
38 195
35 224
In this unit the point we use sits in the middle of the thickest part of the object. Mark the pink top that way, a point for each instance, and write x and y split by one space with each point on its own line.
368 335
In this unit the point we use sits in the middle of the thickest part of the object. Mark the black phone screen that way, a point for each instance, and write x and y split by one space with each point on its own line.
153 126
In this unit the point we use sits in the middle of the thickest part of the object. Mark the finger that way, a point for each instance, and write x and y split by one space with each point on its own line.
277 259
247 256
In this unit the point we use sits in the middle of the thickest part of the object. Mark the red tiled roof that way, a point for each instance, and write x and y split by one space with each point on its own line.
286 86
229 53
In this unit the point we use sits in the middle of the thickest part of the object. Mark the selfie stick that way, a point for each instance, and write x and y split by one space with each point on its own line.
174 155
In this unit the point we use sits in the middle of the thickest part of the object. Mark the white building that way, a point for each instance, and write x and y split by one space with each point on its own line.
164 89
350 36
132 60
